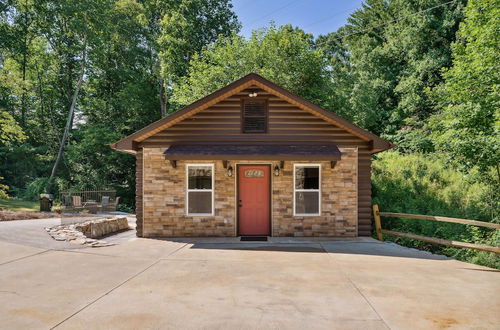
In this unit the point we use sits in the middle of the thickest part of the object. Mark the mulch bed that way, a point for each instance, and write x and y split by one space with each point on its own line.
7 215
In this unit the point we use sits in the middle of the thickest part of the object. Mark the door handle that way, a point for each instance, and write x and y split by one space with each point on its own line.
239 203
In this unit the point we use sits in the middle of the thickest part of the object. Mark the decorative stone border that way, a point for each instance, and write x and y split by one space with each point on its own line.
85 233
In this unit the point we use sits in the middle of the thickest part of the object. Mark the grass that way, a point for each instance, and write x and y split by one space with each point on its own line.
19 205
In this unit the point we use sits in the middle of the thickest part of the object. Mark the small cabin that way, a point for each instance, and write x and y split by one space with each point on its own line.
253 159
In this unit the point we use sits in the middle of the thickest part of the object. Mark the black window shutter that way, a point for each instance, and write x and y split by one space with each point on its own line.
254 116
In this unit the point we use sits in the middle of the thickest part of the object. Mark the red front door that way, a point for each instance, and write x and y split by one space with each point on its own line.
253 199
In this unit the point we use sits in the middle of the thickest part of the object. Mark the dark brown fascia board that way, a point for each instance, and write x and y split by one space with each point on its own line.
125 149
127 144
391 145
253 157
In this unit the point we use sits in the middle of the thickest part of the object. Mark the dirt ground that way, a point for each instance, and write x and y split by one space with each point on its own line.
7 215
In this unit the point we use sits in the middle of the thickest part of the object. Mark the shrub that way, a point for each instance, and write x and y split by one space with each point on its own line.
41 185
424 184
3 190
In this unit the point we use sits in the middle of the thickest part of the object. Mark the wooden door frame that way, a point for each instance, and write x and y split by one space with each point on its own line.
238 165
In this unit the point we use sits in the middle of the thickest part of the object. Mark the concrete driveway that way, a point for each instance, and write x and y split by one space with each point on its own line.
225 284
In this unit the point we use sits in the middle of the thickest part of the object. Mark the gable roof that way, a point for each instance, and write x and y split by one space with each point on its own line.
129 143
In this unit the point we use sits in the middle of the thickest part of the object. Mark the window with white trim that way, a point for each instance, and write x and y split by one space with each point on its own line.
200 189
307 189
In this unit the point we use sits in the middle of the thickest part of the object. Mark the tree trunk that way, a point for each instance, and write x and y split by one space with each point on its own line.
163 98
23 99
25 60
69 122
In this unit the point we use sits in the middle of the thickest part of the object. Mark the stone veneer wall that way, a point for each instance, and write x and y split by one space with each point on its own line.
164 209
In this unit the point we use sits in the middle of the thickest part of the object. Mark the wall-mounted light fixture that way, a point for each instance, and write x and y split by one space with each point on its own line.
276 170
230 171
252 93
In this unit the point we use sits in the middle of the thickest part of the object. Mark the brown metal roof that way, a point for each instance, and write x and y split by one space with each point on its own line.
129 143
252 152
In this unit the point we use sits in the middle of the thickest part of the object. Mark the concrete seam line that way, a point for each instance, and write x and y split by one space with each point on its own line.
368 301
91 253
114 288
31 255
356 287
178 249
105 294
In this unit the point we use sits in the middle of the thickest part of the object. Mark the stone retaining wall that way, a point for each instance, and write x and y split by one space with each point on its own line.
99 228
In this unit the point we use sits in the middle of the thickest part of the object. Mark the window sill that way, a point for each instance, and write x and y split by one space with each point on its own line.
307 215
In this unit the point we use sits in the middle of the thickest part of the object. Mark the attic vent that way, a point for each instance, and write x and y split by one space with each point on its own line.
254 116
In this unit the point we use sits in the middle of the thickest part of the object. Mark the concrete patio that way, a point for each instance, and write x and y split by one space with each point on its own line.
225 284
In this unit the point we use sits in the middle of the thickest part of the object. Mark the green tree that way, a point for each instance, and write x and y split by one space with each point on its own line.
41 75
187 27
385 58
10 133
282 54
467 127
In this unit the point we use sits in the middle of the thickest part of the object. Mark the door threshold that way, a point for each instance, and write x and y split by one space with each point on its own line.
253 238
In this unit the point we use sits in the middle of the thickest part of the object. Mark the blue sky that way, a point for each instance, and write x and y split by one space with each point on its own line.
313 16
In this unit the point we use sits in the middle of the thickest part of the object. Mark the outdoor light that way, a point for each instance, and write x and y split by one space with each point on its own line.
252 94
230 171
276 170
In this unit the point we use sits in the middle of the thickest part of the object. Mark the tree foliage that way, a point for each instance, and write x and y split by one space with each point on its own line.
10 131
41 46
10 134
467 126
187 27
426 184
284 55
385 58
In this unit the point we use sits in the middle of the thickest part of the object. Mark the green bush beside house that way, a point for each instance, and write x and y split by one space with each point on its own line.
421 184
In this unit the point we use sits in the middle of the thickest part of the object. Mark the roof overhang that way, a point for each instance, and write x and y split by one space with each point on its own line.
130 144
280 152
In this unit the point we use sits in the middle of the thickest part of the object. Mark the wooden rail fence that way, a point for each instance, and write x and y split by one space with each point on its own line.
378 227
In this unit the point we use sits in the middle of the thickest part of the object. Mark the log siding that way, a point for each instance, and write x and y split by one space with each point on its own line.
139 178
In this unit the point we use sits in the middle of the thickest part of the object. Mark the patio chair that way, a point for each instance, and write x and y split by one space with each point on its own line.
104 201
77 202
107 205
114 205
67 201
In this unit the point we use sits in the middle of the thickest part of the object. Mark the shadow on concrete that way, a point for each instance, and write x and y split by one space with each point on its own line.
363 246
283 249
484 270
381 249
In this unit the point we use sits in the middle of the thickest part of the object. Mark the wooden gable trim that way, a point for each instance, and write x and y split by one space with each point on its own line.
128 144
302 106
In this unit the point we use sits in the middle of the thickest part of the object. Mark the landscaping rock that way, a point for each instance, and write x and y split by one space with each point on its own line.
87 232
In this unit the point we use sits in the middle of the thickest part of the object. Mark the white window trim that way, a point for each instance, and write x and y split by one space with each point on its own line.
204 190
306 190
